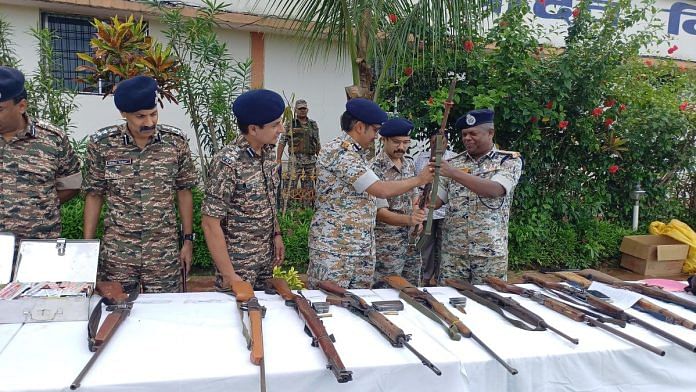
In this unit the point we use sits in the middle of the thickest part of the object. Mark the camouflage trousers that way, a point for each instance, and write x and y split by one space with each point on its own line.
431 253
154 264
349 272
472 268
254 269
395 255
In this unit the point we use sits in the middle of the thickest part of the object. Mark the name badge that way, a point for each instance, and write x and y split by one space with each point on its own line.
119 162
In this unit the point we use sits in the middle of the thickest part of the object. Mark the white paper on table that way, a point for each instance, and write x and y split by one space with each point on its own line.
620 298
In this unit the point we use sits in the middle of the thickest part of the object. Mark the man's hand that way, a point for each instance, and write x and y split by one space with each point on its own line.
417 216
446 169
186 256
227 280
425 176
279 250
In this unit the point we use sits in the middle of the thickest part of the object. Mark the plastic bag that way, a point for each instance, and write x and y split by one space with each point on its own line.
680 231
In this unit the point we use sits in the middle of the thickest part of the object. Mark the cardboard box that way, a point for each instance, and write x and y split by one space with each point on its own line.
654 247
651 267
58 260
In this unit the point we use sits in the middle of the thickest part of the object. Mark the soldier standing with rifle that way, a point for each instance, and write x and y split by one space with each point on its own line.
341 236
396 215
478 186
239 212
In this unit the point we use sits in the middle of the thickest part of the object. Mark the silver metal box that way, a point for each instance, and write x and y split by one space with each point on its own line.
57 260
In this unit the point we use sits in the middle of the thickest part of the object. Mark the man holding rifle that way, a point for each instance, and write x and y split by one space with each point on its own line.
478 186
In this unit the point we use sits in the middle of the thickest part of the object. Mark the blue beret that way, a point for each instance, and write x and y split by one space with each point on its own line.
258 107
366 111
11 83
396 127
474 118
137 93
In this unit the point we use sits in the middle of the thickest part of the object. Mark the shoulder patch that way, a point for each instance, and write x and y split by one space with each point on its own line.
227 161
105 132
346 145
172 130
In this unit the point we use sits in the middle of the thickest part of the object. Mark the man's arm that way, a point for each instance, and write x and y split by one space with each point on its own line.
395 219
387 189
64 195
215 239
184 200
279 153
93 205
481 186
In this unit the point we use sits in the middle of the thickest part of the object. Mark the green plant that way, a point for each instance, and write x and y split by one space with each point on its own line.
291 276
8 56
294 225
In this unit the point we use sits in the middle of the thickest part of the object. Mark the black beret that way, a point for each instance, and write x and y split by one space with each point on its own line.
366 111
11 83
258 107
137 93
396 127
474 118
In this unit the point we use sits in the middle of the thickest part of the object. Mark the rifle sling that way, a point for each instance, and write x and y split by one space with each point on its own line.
93 323
499 307
451 329
245 330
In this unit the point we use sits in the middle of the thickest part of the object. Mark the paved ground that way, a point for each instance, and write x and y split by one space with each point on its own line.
205 283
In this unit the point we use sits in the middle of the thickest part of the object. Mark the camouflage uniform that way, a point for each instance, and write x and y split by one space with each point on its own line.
303 147
394 253
241 192
140 228
36 163
476 229
341 236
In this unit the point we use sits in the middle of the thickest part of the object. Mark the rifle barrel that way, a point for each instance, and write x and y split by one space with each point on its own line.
423 359
625 336
495 356
663 333
559 333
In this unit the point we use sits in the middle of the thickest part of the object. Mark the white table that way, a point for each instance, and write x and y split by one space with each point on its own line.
193 342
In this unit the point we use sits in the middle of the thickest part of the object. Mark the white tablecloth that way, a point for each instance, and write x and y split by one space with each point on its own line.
193 342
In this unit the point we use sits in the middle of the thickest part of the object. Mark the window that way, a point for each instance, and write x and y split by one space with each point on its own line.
72 35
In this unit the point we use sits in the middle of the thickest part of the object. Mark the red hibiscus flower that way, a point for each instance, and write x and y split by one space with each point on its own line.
672 49
549 105
431 101
596 112
563 124
608 122
576 12
468 45
683 106
610 103
533 119
408 71
613 169
622 107
648 62
392 18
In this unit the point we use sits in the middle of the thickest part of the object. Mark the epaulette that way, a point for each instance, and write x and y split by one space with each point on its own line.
229 157
511 154
346 145
105 132
43 124
456 156
173 130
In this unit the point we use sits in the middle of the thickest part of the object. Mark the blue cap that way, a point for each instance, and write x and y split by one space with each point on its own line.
258 107
474 118
366 111
11 83
137 93
396 127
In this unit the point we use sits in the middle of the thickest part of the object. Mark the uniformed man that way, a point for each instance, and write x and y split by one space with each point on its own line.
38 168
302 136
239 214
396 216
478 187
431 251
141 168
341 236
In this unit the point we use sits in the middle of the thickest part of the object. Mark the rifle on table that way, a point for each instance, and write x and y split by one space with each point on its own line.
360 307
604 307
648 291
314 328
437 311
574 313
643 305
119 303
528 320
430 190
247 302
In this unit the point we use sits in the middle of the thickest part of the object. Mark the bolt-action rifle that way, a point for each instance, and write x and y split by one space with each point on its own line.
603 307
314 328
649 291
572 312
247 302
437 311
528 320
643 305
360 307
119 303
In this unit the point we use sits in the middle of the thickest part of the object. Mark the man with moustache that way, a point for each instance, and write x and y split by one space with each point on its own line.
397 215
38 167
341 236
141 169
239 213
478 186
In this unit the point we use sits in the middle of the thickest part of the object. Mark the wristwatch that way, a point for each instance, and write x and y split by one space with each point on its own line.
189 237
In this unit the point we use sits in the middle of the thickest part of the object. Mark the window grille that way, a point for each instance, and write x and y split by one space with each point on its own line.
72 35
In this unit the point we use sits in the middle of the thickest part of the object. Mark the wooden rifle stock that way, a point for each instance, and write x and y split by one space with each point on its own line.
315 327
247 301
